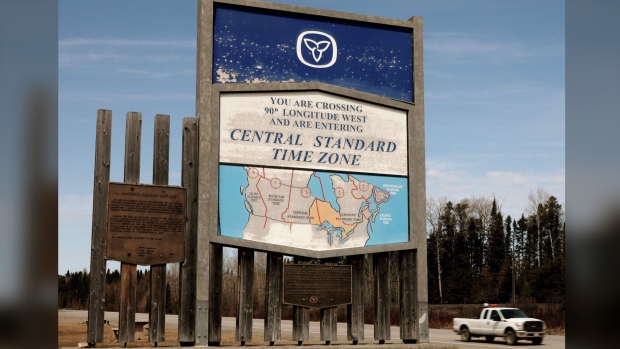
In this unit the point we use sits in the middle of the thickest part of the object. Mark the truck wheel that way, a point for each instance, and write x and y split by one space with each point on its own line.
537 341
465 335
489 338
510 337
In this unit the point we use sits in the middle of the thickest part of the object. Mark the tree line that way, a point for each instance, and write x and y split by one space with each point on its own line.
74 288
476 255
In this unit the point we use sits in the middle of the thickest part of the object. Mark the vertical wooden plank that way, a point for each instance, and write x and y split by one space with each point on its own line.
187 279
157 313
245 275
129 277
417 183
329 320
103 141
301 324
355 310
161 151
408 294
273 300
215 294
382 296
207 223
127 313
301 315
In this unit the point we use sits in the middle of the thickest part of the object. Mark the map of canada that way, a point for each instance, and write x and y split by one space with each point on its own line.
311 209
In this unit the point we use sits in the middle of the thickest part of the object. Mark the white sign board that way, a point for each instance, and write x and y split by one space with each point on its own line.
312 130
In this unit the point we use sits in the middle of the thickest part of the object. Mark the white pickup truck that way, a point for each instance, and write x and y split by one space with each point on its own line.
510 323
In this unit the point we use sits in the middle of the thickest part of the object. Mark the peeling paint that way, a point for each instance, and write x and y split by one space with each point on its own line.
225 76
422 319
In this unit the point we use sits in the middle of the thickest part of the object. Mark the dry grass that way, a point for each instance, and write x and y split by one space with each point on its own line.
69 335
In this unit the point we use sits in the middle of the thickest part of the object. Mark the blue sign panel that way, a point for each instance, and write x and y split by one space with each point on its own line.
260 45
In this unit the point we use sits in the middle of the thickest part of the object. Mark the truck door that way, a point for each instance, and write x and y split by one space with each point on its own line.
495 324
479 326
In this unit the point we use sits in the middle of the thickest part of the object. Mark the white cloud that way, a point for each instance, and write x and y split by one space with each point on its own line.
107 97
183 43
463 47
507 177
457 182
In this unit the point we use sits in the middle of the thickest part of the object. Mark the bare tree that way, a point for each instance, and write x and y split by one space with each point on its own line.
481 208
434 208
536 200
172 278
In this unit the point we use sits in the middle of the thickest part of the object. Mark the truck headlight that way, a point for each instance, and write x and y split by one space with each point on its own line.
544 326
519 326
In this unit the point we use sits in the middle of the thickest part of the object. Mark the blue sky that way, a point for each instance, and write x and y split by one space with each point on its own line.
494 95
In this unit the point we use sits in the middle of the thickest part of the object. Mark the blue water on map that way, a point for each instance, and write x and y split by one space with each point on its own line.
397 231
233 215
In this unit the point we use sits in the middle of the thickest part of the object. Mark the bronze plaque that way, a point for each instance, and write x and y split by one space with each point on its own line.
316 285
146 224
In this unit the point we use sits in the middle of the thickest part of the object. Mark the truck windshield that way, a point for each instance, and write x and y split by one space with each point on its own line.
513 313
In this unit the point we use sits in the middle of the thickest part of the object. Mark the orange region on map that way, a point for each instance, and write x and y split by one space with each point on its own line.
322 211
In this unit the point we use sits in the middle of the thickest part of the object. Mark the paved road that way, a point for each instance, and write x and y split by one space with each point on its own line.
228 324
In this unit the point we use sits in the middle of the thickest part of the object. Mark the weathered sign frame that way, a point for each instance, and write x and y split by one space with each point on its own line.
415 133
413 267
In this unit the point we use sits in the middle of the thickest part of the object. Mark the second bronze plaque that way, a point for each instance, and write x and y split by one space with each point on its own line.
316 285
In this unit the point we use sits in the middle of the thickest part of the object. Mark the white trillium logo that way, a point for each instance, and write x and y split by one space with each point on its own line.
317 48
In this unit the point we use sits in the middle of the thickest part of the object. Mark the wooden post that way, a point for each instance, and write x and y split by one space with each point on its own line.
245 277
355 310
301 324
273 300
161 150
100 198
187 279
215 294
129 278
301 315
329 320
127 313
381 288
408 323
417 185
207 165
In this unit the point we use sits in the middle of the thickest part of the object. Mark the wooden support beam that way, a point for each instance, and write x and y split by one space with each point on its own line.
381 288
301 315
245 275
215 294
129 283
273 298
161 151
355 310
408 297
96 304
127 313
329 319
329 322
187 279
